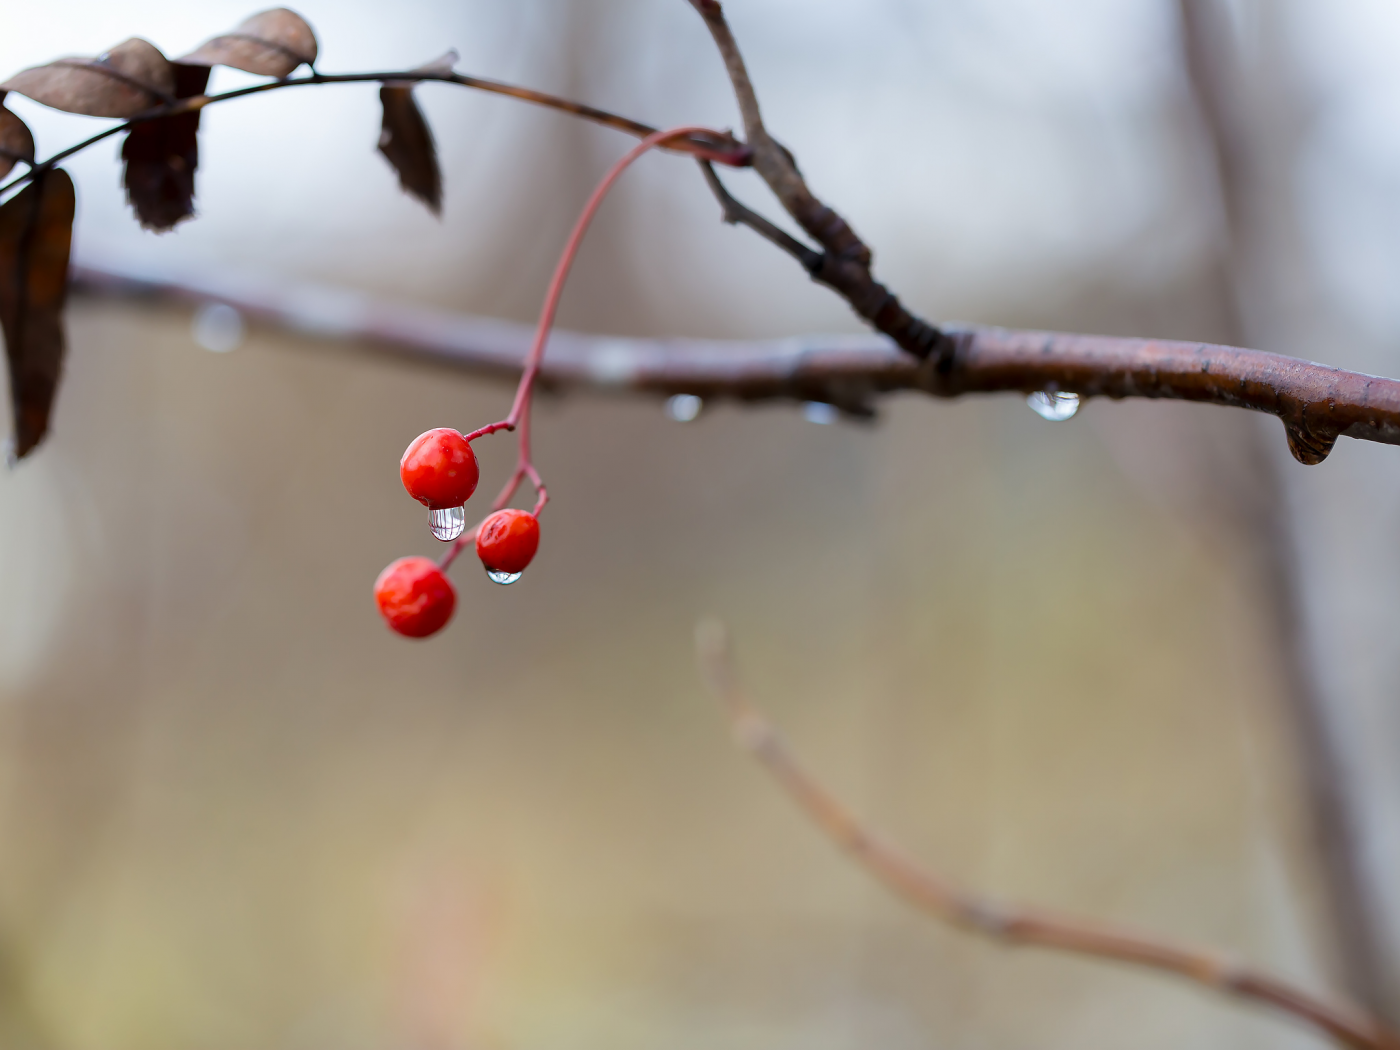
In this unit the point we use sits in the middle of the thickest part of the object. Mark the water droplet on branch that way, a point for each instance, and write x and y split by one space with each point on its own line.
503 578
684 408
1309 445
447 523
218 327
1053 405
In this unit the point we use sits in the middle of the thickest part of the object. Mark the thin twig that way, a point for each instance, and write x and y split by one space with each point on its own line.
738 214
845 264
1317 403
712 145
942 898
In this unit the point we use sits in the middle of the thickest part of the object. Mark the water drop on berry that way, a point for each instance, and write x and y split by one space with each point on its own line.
447 523
503 578
1053 405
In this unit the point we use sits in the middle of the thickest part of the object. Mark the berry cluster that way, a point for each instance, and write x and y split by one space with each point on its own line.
439 468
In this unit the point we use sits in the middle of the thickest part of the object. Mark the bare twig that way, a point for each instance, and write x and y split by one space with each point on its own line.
736 213
940 897
845 263
1316 403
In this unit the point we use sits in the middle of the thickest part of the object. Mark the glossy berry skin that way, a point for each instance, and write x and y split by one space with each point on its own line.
507 540
415 598
439 469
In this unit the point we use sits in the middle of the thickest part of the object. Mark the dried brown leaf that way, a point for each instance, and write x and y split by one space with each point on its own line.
36 231
407 141
129 79
161 156
16 142
270 43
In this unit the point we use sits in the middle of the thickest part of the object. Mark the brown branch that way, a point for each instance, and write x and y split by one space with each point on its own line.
738 214
845 263
942 898
1304 397
1316 403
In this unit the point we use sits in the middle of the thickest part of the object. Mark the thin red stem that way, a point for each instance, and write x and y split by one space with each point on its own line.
566 261
490 428
519 417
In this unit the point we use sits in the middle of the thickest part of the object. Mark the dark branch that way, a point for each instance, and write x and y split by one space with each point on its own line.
737 213
845 264
1316 403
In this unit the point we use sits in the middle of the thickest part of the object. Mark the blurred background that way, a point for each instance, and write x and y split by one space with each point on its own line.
1139 664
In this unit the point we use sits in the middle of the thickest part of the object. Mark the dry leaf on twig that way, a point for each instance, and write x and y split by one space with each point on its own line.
16 142
36 231
161 156
269 43
129 79
407 141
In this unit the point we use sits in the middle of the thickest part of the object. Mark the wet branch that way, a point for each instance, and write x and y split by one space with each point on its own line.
938 896
1317 403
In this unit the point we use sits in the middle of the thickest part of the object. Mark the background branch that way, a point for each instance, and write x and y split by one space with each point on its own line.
1316 403
1223 102
938 896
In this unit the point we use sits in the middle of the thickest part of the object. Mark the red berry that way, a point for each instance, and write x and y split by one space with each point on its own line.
415 598
439 469
507 540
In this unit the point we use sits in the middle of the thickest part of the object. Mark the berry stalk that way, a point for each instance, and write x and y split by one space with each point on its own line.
519 415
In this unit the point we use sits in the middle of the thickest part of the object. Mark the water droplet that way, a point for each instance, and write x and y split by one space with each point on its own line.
447 523
820 412
218 327
503 578
1053 405
1309 445
684 408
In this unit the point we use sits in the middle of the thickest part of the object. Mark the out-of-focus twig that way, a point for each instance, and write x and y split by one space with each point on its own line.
940 897
1218 90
